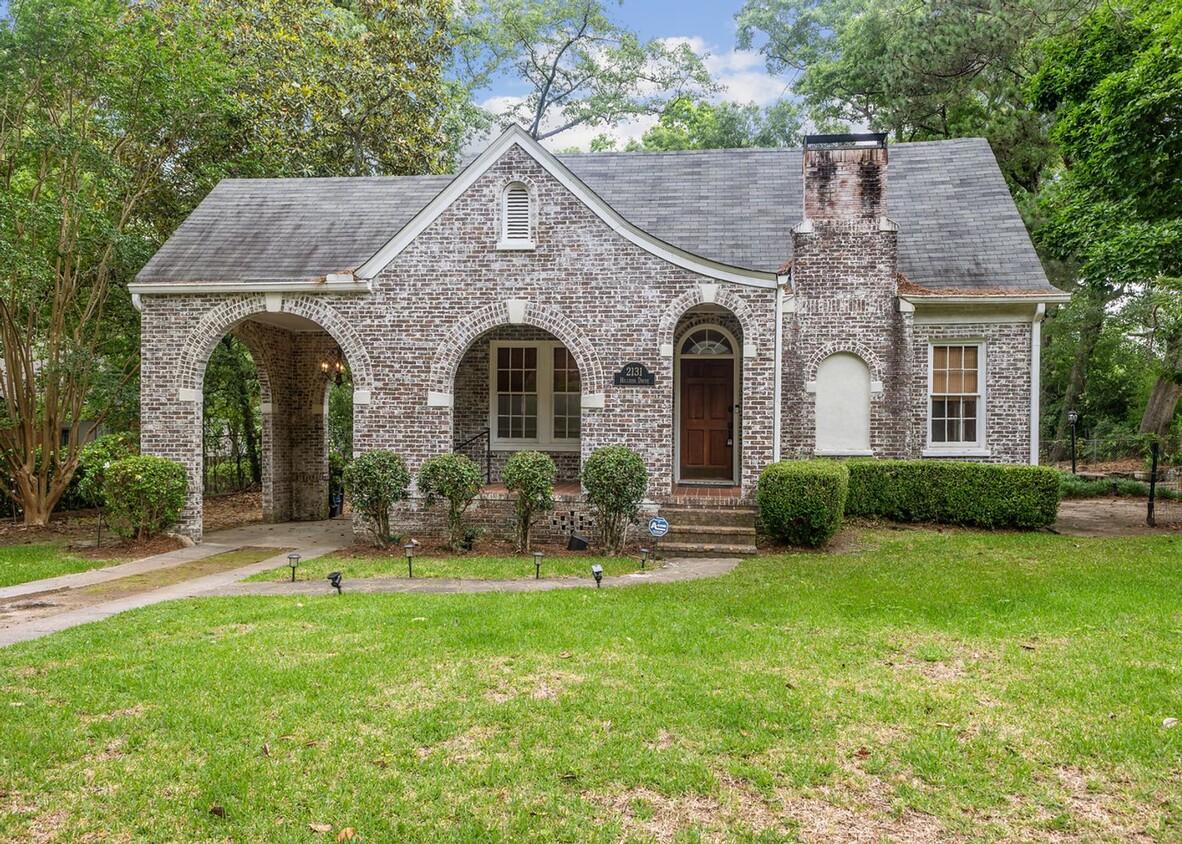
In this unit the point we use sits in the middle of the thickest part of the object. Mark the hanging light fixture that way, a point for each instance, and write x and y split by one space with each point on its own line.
333 366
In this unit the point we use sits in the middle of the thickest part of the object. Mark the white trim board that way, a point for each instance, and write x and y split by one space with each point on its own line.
148 288
516 136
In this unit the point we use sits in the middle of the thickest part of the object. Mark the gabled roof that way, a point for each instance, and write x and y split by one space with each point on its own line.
958 226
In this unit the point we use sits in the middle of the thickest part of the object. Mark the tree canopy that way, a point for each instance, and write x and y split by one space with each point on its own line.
700 124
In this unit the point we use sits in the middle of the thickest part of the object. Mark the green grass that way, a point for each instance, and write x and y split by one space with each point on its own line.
22 563
470 568
928 686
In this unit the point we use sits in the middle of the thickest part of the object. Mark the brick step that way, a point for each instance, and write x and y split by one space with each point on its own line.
729 516
700 549
710 534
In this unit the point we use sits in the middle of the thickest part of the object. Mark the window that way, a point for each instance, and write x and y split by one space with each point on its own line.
957 400
707 342
535 395
516 222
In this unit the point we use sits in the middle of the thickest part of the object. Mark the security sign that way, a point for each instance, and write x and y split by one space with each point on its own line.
658 527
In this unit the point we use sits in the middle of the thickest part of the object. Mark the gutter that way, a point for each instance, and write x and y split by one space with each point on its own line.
962 299
778 366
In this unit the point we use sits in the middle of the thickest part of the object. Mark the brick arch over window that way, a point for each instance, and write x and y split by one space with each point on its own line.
724 298
850 347
461 335
219 320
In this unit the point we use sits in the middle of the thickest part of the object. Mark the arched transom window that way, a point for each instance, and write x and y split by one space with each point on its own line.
516 218
707 341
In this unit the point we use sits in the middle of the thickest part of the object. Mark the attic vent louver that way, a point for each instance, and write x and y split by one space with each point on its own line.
515 230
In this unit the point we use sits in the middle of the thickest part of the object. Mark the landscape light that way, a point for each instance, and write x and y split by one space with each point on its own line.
1072 419
335 580
644 556
538 564
409 548
293 560
597 570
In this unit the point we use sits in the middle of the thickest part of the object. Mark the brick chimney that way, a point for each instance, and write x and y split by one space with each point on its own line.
845 177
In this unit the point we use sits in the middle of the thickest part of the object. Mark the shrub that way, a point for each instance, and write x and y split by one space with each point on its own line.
455 478
530 474
801 502
377 480
954 493
616 480
144 495
93 463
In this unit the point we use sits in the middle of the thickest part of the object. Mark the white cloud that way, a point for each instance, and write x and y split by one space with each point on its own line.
741 74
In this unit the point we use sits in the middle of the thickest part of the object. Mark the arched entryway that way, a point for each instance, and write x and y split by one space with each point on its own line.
707 397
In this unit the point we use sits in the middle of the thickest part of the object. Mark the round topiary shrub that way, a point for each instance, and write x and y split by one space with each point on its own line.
94 460
531 475
801 502
144 495
616 480
457 480
376 481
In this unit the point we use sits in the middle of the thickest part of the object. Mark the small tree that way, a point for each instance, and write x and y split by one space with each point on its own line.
616 480
377 480
457 479
531 475
96 458
144 495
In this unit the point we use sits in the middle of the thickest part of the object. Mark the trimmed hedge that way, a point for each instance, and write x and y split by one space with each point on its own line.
144 495
954 493
801 502
616 480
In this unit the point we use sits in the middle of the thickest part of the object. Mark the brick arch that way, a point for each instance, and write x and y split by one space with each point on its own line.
463 334
199 344
850 347
724 298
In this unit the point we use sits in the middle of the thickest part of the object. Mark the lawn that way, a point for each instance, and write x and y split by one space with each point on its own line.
924 686
22 563
471 567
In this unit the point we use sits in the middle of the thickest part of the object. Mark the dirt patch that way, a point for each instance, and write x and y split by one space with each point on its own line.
1101 517
460 749
233 509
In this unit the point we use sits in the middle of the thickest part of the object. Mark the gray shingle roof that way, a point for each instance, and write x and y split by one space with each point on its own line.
959 228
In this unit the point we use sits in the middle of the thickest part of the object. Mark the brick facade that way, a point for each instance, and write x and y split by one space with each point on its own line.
418 342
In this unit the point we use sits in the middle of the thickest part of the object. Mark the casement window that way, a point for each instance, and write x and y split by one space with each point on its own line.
956 391
516 218
534 396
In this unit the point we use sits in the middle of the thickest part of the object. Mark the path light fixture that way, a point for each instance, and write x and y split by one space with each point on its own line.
1072 420
597 572
409 548
644 552
334 580
538 564
293 560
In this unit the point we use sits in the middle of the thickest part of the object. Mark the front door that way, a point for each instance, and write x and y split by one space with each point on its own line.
707 419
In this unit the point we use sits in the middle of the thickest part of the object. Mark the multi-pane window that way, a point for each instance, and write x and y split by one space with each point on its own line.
567 412
956 406
535 394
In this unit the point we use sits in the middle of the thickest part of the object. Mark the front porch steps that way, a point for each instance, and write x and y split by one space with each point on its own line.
709 530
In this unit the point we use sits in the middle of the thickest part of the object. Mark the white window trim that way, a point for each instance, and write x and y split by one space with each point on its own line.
519 244
979 448
545 441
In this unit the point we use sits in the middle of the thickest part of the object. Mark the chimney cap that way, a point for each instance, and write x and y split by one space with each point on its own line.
868 140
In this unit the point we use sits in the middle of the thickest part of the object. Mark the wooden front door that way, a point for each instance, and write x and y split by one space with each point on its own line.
707 419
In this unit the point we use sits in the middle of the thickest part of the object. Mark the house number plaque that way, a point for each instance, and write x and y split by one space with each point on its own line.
634 375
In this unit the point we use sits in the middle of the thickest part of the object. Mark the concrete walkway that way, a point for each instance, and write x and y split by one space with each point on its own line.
309 540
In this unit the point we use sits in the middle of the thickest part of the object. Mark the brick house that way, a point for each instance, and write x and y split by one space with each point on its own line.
713 310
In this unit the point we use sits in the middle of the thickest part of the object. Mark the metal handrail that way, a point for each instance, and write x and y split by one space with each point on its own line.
486 434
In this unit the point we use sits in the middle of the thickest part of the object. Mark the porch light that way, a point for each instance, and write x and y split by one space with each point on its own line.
409 548
597 571
644 552
538 564
333 366
334 580
293 560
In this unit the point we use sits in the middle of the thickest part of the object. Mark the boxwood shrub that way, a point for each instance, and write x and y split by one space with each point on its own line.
954 493
801 502
144 495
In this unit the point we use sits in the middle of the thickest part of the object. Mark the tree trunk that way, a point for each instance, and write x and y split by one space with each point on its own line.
1089 333
1163 400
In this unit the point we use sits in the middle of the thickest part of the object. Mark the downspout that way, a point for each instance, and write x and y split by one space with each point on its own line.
778 366
1035 378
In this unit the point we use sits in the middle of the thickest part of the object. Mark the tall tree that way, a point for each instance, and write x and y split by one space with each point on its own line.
1115 87
580 67
699 124
97 99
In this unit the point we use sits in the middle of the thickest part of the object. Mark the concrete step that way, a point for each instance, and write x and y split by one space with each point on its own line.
703 549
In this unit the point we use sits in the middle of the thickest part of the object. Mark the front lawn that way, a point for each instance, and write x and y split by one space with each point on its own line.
22 563
923 687
470 567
